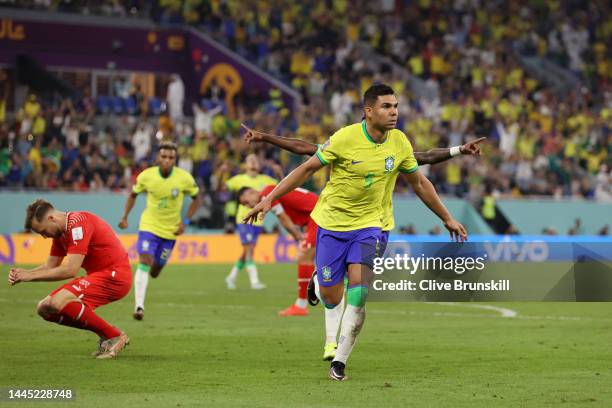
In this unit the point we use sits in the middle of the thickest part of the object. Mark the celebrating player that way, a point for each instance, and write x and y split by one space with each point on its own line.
88 242
297 146
160 222
248 232
365 157
293 209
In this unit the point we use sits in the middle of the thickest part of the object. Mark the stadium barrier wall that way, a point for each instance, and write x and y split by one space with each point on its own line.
413 211
109 206
532 216
528 216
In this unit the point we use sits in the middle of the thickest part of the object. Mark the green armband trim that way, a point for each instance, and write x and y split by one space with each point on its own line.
412 170
321 159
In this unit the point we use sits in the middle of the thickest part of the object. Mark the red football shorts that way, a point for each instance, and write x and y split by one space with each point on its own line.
310 237
99 288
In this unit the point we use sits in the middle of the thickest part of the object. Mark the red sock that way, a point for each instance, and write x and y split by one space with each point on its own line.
81 316
304 274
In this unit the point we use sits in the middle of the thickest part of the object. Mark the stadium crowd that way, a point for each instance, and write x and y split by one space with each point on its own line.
540 142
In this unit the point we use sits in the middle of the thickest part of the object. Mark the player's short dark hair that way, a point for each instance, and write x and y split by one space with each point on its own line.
372 93
241 192
37 210
167 146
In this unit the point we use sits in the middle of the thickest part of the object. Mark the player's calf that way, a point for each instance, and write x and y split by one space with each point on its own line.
155 270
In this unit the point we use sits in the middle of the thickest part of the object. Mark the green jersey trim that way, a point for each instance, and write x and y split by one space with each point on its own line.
412 170
367 135
321 159
162 176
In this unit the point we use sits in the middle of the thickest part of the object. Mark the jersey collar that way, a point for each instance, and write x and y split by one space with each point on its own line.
162 176
367 135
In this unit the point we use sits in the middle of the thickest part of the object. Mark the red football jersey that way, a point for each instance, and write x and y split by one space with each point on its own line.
298 204
89 235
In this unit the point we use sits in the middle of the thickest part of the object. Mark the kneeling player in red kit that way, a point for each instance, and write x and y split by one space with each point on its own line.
88 242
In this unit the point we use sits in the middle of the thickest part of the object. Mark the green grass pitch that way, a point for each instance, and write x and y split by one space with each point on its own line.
202 345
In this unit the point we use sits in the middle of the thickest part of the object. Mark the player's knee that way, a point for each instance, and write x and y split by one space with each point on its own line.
331 299
45 308
146 259
357 295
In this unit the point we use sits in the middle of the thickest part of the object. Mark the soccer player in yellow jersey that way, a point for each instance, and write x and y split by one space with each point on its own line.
432 156
248 232
349 211
160 223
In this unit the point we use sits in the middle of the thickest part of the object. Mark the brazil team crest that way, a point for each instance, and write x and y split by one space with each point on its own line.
326 274
175 192
389 163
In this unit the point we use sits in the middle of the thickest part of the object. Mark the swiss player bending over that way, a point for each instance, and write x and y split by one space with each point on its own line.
88 242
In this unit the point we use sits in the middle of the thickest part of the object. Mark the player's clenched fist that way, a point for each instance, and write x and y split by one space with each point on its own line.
123 224
16 275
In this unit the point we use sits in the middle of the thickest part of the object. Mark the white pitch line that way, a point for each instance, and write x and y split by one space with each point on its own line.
501 310
474 315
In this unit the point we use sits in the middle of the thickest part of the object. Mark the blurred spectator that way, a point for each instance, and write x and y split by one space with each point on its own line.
141 141
203 117
175 98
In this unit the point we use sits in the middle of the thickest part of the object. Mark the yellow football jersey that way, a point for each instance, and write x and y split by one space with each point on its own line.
362 177
388 219
162 215
244 180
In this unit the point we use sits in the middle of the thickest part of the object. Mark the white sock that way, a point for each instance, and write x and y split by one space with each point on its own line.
141 280
301 303
252 271
352 322
233 273
333 317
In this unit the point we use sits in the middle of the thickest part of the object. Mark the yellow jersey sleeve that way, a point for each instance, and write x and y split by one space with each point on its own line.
409 163
329 151
191 187
141 183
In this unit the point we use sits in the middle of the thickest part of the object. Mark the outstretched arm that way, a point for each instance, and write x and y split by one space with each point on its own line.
294 179
438 155
427 193
296 146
